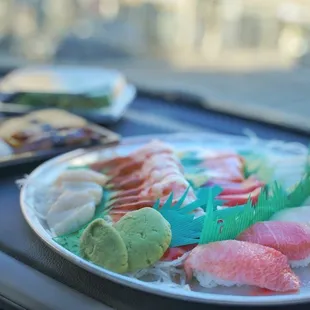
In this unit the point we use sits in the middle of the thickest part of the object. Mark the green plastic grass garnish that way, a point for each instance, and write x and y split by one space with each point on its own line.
204 193
185 230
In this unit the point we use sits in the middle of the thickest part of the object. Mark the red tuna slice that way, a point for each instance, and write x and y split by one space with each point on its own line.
174 253
244 187
240 199
291 239
238 262
133 206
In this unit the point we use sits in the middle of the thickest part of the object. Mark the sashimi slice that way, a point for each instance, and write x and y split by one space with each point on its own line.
74 220
125 184
233 165
70 212
151 148
234 188
90 188
235 262
291 239
109 163
82 175
125 169
147 150
237 200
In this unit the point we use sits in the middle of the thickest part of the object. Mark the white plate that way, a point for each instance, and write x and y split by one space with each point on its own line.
289 158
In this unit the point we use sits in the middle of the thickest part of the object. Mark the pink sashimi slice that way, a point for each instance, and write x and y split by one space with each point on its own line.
291 239
237 262
240 199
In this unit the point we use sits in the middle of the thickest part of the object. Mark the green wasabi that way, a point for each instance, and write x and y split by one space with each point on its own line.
147 236
102 244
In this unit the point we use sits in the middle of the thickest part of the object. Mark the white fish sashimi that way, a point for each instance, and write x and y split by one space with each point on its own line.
94 190
70 212
75 220
70 200
298 215
82 175
44 198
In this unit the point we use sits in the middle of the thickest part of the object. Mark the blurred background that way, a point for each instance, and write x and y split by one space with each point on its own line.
246 51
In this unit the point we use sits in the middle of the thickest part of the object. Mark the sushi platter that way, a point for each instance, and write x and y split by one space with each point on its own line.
46 133
209 218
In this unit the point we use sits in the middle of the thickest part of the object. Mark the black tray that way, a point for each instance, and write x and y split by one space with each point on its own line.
108 138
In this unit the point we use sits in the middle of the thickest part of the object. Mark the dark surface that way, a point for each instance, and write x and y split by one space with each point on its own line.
19 283
146 116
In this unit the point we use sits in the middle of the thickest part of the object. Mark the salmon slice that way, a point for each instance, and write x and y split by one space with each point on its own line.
237 262
139 155
236 188
232 164
291 239
237 200
126 184
109 163
125 169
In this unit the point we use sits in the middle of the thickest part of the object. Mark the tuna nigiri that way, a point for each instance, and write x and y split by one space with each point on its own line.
291 239
235 262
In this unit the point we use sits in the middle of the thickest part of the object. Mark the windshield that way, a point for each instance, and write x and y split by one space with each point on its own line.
252 52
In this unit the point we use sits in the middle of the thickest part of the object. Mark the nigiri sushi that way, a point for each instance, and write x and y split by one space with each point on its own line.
299 215
70 212
82 175
235 262
291 239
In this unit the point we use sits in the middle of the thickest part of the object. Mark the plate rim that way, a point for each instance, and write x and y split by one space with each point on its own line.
198 297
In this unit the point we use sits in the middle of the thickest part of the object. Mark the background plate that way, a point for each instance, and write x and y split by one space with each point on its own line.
106 115
289 159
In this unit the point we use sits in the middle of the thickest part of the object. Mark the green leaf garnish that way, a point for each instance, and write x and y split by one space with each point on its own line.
203 194
185 229
71 242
